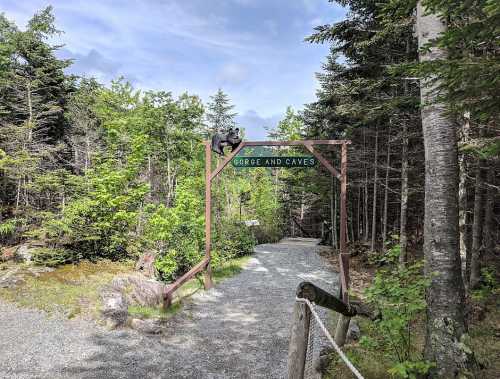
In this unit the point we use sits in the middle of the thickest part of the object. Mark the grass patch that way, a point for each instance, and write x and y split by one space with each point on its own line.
71 289
150 312
226 270
230 268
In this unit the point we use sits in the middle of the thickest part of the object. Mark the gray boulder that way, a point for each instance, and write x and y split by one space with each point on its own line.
141 290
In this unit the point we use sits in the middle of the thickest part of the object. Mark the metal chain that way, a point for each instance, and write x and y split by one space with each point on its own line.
329 337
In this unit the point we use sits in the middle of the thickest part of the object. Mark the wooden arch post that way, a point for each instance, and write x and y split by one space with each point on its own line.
210 175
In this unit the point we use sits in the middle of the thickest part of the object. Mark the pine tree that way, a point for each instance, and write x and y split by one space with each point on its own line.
219 113
33 92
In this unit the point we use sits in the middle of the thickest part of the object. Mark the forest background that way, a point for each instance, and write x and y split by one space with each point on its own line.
90 171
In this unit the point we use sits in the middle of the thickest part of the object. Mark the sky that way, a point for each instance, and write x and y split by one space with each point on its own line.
253 49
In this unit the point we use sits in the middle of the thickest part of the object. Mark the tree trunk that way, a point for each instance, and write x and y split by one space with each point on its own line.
445 295
374 202
462 200
488 227
365 199
403 237
335 241
358 236
386 193
477 228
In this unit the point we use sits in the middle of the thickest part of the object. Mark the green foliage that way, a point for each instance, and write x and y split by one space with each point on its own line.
111 171
411 370
398 292
8 227
53 257
489 285
233 240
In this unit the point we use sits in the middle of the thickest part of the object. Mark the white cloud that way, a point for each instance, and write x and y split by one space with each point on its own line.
232 74
256 126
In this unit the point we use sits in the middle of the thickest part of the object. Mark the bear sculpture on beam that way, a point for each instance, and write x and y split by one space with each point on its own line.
220 140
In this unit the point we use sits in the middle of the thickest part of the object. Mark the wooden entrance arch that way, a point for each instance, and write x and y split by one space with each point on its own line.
210 175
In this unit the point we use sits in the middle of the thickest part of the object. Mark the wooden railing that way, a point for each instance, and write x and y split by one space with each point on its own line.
297 351
183 279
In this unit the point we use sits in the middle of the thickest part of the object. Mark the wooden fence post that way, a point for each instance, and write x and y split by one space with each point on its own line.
297 350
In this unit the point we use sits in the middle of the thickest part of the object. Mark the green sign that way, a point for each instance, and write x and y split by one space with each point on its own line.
274 161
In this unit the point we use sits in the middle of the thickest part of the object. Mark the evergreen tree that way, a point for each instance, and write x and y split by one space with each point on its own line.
33 94
219 113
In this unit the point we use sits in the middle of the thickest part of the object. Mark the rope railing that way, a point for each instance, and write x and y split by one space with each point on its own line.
327 334
302 339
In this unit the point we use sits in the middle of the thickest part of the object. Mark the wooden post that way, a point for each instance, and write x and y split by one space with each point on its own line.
208 213
297 350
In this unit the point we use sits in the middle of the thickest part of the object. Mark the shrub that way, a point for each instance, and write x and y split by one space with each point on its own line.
53 257
233 240
182 251
178 259
398 292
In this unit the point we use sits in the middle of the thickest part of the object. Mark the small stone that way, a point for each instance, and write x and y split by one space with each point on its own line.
150 326
353 333
23 252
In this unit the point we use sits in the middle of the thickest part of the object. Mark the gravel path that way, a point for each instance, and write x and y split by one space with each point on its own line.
237 330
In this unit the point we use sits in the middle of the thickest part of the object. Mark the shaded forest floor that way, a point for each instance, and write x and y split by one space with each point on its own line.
483 311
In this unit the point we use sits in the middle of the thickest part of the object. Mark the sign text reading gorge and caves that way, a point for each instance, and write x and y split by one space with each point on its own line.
274 161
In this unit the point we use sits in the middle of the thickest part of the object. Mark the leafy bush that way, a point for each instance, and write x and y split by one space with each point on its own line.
233 240
398 292
54 257
178 259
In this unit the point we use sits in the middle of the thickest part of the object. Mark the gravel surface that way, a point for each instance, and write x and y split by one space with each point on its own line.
237 330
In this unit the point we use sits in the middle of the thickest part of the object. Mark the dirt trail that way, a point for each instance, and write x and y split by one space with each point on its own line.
237 330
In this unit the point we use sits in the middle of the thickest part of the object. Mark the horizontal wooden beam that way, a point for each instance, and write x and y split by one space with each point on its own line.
318 296
322 159
299 142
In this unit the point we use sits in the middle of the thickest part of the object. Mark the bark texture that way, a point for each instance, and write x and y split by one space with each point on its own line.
462 197
403 237
445 296
374 202
477 228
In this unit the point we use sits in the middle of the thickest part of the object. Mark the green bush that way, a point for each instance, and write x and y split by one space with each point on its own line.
178 259
182 251
233 240
53 257
398 293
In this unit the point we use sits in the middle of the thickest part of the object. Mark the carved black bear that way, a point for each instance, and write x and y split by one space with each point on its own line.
231 138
